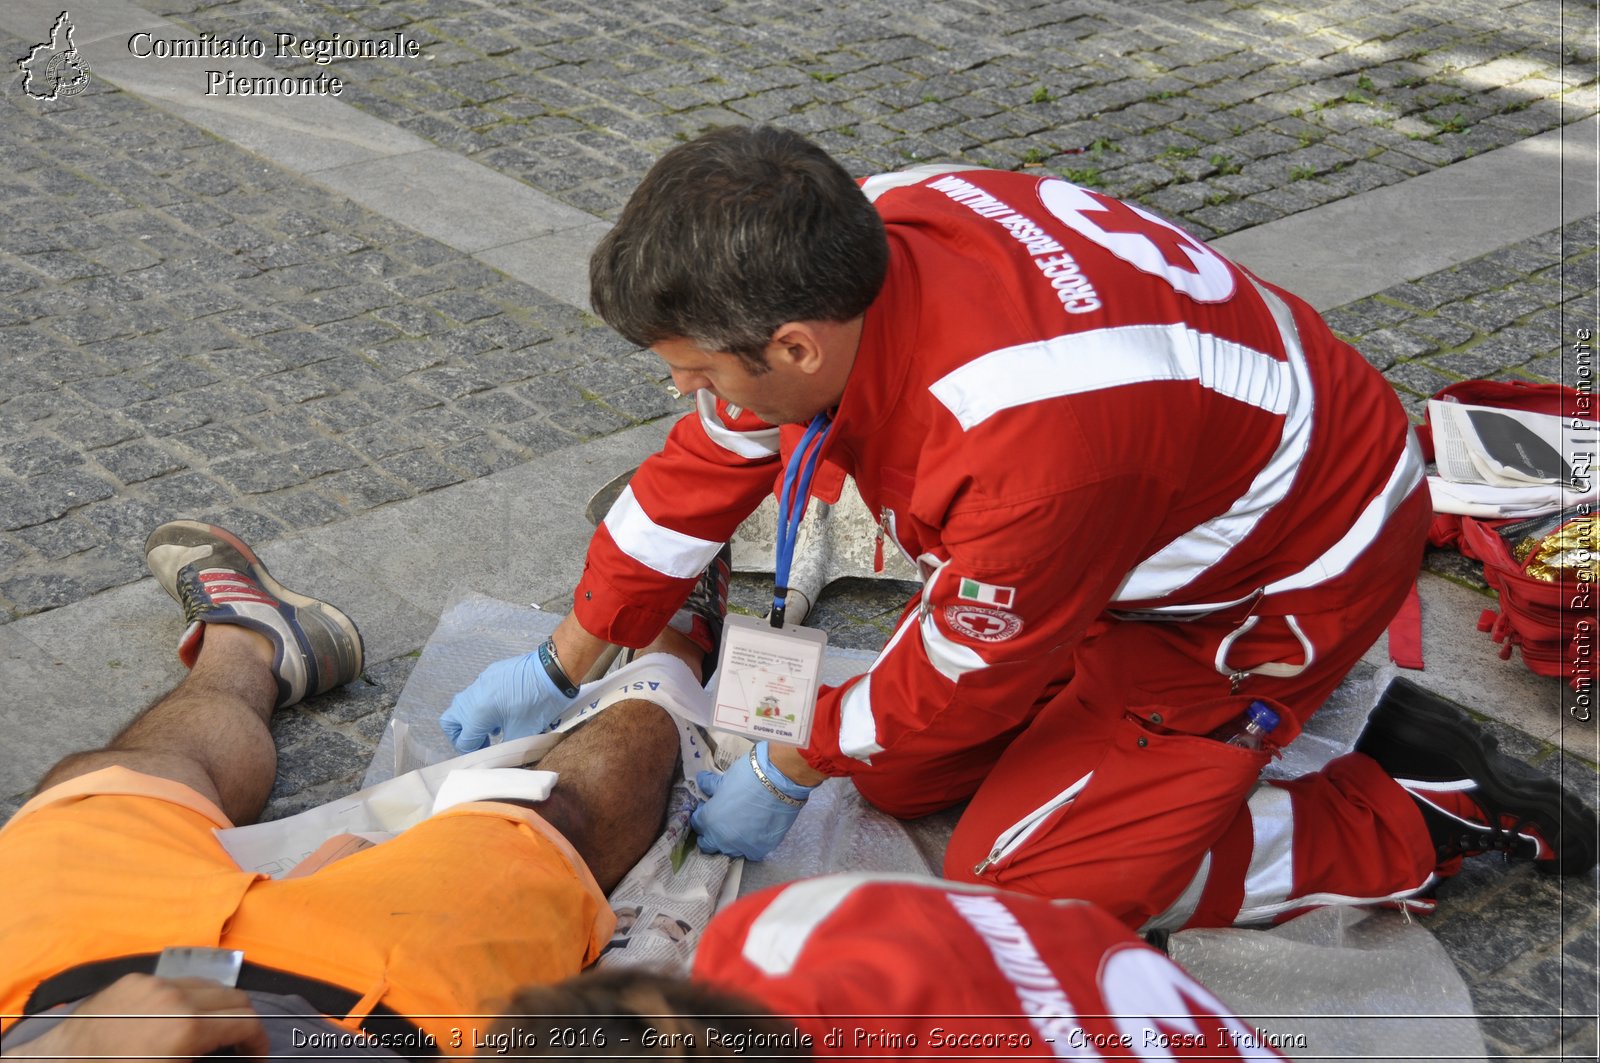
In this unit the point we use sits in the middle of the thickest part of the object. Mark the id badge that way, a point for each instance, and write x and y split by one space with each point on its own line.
767 680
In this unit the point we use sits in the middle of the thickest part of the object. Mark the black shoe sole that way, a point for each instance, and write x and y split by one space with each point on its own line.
1411 715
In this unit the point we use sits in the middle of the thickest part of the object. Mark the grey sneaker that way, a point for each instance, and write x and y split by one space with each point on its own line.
702 615
218 579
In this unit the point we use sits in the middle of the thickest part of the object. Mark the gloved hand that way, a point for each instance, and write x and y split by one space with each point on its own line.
515 697
743 816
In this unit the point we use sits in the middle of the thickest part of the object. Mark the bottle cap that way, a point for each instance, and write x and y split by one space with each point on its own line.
1262 715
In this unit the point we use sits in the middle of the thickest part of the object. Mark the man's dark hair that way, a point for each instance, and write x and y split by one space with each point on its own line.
636 1014
733 234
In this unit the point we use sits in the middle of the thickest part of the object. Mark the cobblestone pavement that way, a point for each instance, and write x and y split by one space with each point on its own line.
186 330
1507 315
1220 114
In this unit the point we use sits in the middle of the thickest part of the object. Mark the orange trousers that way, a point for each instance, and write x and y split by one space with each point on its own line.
440 924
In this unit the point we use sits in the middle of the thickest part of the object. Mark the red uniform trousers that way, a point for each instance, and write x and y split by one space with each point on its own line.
1079 797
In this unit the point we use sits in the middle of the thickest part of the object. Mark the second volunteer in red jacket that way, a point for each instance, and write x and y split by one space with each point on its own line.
867 965
859 966
1143 487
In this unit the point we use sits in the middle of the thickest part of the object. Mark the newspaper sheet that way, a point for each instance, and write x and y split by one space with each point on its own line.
1510 448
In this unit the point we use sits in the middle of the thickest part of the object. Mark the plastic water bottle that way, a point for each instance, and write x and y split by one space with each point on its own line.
1249 729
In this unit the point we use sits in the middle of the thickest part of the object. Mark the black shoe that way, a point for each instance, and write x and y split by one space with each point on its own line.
702 615
1474 798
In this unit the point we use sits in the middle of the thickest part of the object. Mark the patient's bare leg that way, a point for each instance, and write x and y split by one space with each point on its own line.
616 772
210 733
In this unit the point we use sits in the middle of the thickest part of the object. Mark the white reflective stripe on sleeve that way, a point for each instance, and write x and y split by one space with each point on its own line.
1179 911
950 658
1083 362
858 728
762 443
1191 554
671 553
778 935
878 184
1269 879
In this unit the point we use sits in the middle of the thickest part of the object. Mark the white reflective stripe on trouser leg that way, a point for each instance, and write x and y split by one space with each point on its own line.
1270 877
1269 883
671 553
1276 669
1179 911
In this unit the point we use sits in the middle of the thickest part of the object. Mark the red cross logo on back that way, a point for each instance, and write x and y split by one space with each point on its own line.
1114 216
1141 239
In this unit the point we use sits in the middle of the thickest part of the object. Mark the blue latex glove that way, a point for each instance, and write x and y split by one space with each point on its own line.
514 697
741 816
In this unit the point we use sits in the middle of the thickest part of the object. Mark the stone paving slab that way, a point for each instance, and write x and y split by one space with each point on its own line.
1463 664
1221 115
373 162
309 132
1459 212
1510 314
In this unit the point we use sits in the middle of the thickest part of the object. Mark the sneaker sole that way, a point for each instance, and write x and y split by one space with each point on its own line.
1505 782
309 607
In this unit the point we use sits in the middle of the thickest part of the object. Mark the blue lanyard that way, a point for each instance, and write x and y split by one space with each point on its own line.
792 507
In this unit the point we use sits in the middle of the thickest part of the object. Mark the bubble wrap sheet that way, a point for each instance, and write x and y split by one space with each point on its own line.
1339 983
1342 984
472 634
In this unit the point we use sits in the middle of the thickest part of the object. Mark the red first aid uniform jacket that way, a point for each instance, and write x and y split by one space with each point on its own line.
1062 409
875 967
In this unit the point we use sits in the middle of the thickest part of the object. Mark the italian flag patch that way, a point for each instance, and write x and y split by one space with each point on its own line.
986 593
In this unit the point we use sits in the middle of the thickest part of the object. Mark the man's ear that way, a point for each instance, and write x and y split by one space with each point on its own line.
798 343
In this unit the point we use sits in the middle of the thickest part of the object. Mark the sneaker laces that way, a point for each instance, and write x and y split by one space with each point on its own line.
188 598
194 595
705 598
